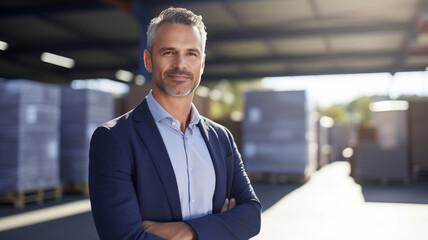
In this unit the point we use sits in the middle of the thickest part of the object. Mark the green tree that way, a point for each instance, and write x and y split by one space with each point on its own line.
228 96
359 109
337 112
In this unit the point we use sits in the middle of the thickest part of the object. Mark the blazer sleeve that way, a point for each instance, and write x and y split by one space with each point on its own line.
241 222
113 199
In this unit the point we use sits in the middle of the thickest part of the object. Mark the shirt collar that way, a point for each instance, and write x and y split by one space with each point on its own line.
194 116
159 113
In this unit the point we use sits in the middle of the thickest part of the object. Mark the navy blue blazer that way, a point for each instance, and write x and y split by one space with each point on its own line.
131 179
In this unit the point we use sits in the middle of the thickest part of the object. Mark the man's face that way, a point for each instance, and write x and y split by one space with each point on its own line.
177 60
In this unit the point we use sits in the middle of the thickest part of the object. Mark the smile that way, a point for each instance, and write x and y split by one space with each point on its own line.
179 77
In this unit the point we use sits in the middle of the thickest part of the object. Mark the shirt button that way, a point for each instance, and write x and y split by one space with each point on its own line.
173 123
193 200
190 169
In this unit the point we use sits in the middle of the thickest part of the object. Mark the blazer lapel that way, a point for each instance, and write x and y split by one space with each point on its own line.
213 144
149 133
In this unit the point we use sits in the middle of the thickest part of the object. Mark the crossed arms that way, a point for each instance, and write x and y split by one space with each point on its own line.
119 214
179 230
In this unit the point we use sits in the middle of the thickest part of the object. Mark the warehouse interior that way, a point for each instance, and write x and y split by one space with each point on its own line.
317 178
246 39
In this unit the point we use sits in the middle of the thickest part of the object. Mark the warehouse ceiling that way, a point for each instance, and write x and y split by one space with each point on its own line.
246 38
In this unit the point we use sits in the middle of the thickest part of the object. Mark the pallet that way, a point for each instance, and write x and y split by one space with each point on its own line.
384 181
278 178
80 188
20 198
420 176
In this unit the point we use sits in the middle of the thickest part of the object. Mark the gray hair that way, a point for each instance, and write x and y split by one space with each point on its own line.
177 16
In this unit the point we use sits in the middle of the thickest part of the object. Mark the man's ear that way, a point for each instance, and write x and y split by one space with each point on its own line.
203 63
148 61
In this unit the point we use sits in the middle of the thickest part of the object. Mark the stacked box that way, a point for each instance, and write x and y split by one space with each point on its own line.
385 157
340 137
278 136
375 163
29 136
82 111
392 128
418 134
235 128
135 96
324 148
367 134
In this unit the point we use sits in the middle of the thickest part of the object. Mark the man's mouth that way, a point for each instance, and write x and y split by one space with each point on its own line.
179 75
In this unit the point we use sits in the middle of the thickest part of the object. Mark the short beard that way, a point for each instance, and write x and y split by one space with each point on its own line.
171 93
161 84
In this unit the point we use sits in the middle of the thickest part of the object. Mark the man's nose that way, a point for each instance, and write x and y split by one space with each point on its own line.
180 61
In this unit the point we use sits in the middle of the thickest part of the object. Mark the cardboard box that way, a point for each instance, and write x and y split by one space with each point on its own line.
29 136
279 133
82 112
377 163
392 128
341 136
235 128
418 137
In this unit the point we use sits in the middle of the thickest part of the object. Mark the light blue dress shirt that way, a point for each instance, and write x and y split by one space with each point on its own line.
190 158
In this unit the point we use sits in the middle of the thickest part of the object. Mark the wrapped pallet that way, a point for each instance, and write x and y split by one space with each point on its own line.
278 133
29 136
418 134
385 157
341 136
382 165
323 127
82 111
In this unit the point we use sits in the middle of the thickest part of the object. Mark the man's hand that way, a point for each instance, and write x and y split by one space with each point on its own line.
228 204
179 230
170 230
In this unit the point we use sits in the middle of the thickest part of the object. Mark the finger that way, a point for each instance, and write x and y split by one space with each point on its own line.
225 205
232 203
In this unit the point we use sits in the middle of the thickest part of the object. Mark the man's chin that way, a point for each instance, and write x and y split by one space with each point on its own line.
178 93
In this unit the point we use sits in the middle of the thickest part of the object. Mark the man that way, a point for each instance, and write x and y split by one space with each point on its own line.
162 171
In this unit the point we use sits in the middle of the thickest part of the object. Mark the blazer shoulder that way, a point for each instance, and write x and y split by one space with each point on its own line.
222 133
218 128
127 120
118 122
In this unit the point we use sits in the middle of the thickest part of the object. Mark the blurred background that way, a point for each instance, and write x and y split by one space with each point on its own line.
327 101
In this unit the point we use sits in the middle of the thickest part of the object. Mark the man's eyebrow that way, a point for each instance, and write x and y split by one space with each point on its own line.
194 50
173 49
166 49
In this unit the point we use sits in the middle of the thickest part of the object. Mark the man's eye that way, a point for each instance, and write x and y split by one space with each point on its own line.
167 53
192 54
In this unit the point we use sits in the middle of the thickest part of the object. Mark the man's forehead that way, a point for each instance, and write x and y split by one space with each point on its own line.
178 36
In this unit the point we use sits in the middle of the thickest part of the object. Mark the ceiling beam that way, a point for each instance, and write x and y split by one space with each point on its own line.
88 35
235 35
38 9
423 51
412 33
129 66
85 45
167 3
300 58
122 4
273 33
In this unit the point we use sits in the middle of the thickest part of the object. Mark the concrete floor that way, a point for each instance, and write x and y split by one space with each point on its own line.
330 206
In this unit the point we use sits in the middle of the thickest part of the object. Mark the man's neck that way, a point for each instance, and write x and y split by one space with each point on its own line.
178 107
